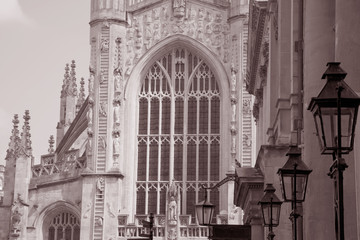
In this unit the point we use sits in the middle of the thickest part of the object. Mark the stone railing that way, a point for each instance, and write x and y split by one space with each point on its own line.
142 3
50 165
136 230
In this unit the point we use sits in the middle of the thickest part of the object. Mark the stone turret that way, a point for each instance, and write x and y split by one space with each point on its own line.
104 156
9 178
18 173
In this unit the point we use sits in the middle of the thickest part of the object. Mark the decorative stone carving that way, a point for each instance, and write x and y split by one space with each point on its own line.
206 25
87 210
179 8
117 117
233 77
99 221
246 106
104 45
91 84
173 211
51 145
246 141
118 80
103 109
103 76
89 142
100 184
17 212
89 116
122 220
110 210
102 142
116 147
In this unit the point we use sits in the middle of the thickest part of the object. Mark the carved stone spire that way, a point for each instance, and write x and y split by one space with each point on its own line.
66 81
81 98
25 147
51 144
14 139
69 83
73 86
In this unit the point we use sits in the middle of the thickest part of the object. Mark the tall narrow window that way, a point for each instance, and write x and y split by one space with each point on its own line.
178 131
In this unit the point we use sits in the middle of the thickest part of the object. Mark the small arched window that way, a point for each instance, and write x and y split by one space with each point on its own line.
64 226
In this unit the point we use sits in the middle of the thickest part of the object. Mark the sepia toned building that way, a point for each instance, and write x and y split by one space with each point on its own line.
290 44
165 111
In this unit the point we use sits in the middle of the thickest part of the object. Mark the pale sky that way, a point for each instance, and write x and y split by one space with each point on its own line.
37 39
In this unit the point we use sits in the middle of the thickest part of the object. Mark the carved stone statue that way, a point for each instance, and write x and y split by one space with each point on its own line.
104 45
172 213
118 80
117 116
116 144
89 116
172 209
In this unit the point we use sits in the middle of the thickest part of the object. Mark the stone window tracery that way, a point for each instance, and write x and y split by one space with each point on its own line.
64 226
178 131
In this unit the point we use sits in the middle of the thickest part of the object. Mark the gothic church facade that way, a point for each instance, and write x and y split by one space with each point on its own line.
166 112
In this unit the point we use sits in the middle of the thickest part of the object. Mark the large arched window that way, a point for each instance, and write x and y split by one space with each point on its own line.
64 226
178 132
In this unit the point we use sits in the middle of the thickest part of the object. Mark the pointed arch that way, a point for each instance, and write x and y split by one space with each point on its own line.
162 48
47 214
221 100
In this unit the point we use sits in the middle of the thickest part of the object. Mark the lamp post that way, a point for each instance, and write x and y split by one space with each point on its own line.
335 110
293 179
205 209
270 208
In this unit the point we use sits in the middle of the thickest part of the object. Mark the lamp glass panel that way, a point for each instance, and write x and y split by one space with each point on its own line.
271 219
329 119
319 129
199 214
288 187
276 214
204 214
265 207
208 213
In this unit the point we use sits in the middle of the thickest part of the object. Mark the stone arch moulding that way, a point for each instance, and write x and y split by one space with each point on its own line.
50 211
162 48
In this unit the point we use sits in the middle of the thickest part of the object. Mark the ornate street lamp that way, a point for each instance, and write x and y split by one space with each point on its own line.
270 208
293 179
335 111
205 211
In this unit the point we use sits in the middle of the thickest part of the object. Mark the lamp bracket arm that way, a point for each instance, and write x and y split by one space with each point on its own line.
228 178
